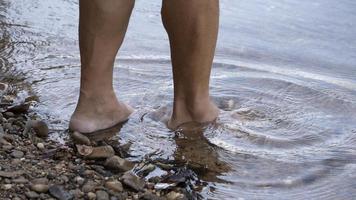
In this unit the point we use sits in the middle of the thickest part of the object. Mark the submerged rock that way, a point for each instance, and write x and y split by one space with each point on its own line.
79 138
117 163
133 181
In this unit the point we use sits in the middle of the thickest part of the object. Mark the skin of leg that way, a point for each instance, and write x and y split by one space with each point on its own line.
192 28
102 27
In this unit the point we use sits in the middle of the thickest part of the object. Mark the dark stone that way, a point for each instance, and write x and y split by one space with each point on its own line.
102 195
59 193
133 181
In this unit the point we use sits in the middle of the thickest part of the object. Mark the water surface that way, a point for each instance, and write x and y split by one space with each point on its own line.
284 78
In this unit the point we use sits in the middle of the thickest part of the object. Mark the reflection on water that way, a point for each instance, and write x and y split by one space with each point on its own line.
284 78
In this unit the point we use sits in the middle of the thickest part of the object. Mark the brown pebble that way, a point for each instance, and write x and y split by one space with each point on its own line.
117 163
115 186
79 138
41 128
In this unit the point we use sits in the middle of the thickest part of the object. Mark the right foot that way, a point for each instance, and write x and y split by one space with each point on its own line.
98 112
201 112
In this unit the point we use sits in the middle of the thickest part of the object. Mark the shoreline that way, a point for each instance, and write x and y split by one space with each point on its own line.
34 167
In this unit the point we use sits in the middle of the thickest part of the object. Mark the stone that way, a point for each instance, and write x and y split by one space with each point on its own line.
174 196
20 180
149 196
89 186
79 180
40 128
115 186
12 174
7 186
79 138
40 146
32 195
59 193
147 169
117 163
101 152
9 114
91 196
40 188
102 195
133 181
77 193
19 109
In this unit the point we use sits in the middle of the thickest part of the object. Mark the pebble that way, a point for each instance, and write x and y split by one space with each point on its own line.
117 163
32 195
7 186
17 154
9 114
91 196
20 180
79 180
89 186
40 146
133 181
174 196
79 138
59 193
101 152
115 186
40 127
102 195
40 188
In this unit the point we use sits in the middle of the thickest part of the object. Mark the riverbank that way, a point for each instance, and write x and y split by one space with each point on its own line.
32 166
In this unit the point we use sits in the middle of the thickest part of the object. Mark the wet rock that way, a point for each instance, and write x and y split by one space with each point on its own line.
59 193
102 195
19 109
40 128
40 188
175 196
32 195
90 152
79 138
12 174
117 163
146 170
133 181
115 186
3 87
91 196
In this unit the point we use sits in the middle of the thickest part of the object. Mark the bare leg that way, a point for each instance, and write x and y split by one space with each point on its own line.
192 27
102 27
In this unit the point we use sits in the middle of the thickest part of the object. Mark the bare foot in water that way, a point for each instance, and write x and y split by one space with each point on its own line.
200 113
98 112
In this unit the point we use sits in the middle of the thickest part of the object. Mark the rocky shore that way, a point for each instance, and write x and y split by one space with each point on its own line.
34 167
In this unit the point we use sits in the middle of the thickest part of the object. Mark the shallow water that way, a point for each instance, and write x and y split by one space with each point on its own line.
284 78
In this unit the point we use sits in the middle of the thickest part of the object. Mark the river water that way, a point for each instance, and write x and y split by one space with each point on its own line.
284 78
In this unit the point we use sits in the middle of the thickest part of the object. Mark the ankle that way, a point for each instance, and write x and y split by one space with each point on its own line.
193 109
